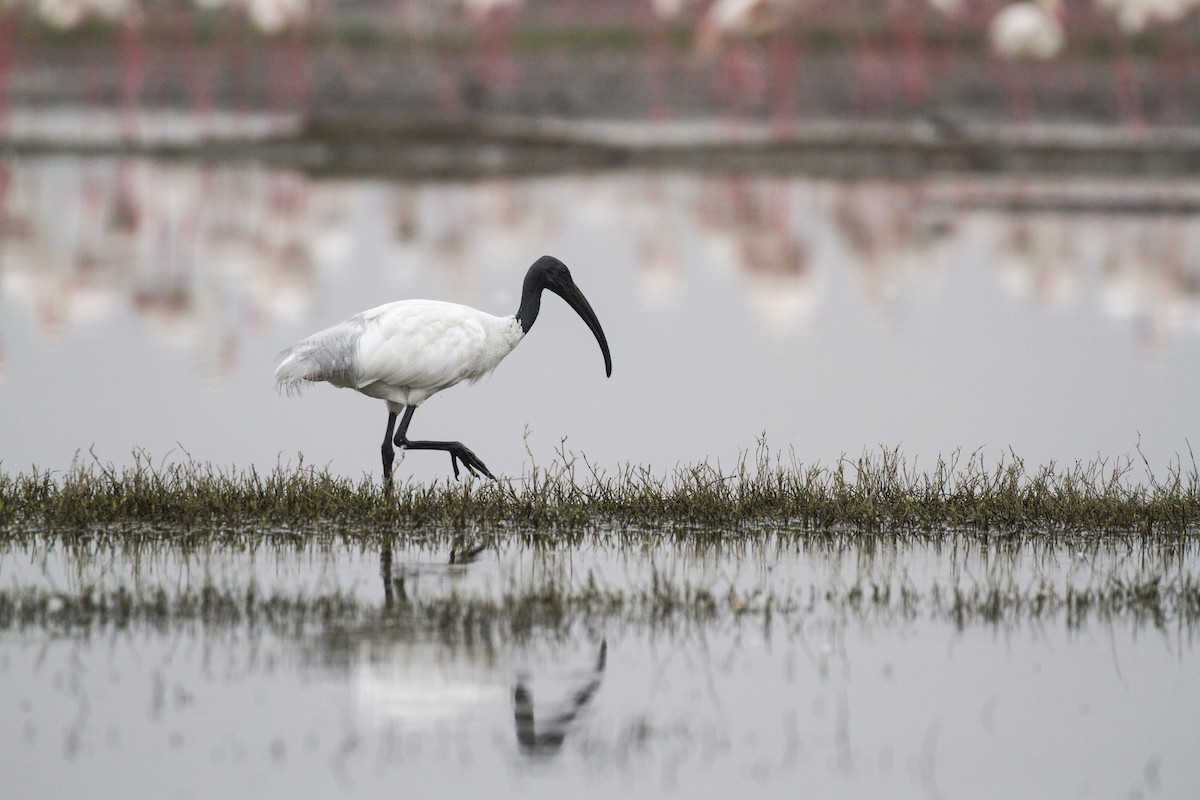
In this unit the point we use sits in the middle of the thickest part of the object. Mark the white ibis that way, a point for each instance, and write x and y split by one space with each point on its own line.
407 351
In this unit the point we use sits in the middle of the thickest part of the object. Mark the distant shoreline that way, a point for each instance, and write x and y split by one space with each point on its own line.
430 147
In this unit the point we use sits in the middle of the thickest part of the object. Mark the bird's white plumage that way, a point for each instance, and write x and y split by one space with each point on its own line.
403 352
1027 29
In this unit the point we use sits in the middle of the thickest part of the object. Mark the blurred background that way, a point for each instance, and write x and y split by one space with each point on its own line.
131 67
836 225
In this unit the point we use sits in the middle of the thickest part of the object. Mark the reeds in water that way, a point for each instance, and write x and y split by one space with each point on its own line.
876 491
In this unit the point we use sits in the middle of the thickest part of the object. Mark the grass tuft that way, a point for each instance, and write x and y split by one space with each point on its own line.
876 491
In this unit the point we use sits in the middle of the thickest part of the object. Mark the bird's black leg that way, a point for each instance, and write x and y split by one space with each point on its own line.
457 450
386 450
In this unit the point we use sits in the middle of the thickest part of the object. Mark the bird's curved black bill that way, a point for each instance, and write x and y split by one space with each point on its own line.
577 301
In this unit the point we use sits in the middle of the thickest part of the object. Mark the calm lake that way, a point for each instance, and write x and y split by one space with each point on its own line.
143 302
626 664
975 310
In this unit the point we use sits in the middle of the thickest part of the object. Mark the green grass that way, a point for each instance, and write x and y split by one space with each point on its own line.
875 492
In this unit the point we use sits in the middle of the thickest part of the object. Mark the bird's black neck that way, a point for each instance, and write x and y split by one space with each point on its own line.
531 301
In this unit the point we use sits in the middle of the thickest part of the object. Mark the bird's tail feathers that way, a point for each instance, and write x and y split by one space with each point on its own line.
290 375
325 356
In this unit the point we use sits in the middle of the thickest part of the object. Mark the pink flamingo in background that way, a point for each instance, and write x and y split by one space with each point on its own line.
68 14
904 40
874 76
133 67
1124 80
726 29
1026 31
1180 62
908 29
284 21
286 76
746 224
1134 17
494 19
666 15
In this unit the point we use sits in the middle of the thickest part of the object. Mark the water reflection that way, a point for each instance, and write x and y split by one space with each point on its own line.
201 258
546 740
402 681
204 257
965 295
835 662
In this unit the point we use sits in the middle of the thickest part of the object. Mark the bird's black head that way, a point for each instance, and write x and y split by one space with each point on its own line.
550 273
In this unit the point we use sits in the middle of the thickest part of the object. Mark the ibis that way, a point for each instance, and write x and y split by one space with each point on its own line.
405 352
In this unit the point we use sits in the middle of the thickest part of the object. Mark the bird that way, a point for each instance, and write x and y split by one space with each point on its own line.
406 351
1027 30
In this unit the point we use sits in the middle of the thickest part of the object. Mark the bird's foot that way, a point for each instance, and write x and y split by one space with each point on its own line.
458 452
469 460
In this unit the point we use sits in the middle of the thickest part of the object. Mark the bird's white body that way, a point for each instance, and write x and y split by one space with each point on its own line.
406 352
402 352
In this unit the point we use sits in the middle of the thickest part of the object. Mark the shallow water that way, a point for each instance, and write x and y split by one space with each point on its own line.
142 303
773 662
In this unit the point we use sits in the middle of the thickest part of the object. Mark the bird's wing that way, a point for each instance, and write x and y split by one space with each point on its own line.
420 344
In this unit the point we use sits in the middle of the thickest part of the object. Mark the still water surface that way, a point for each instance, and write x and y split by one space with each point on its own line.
143 302
398 691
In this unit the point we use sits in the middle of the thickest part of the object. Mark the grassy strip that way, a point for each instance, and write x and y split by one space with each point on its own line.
666 606
875 491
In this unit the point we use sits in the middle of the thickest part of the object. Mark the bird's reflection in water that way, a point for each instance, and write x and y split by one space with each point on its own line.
535 741
392 586
463 553
548 741
466 552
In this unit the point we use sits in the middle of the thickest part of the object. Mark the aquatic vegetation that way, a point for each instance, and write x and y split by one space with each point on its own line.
673 608
875 492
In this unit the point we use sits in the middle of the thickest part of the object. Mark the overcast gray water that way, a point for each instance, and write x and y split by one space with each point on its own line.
831 694
142 303
141 306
